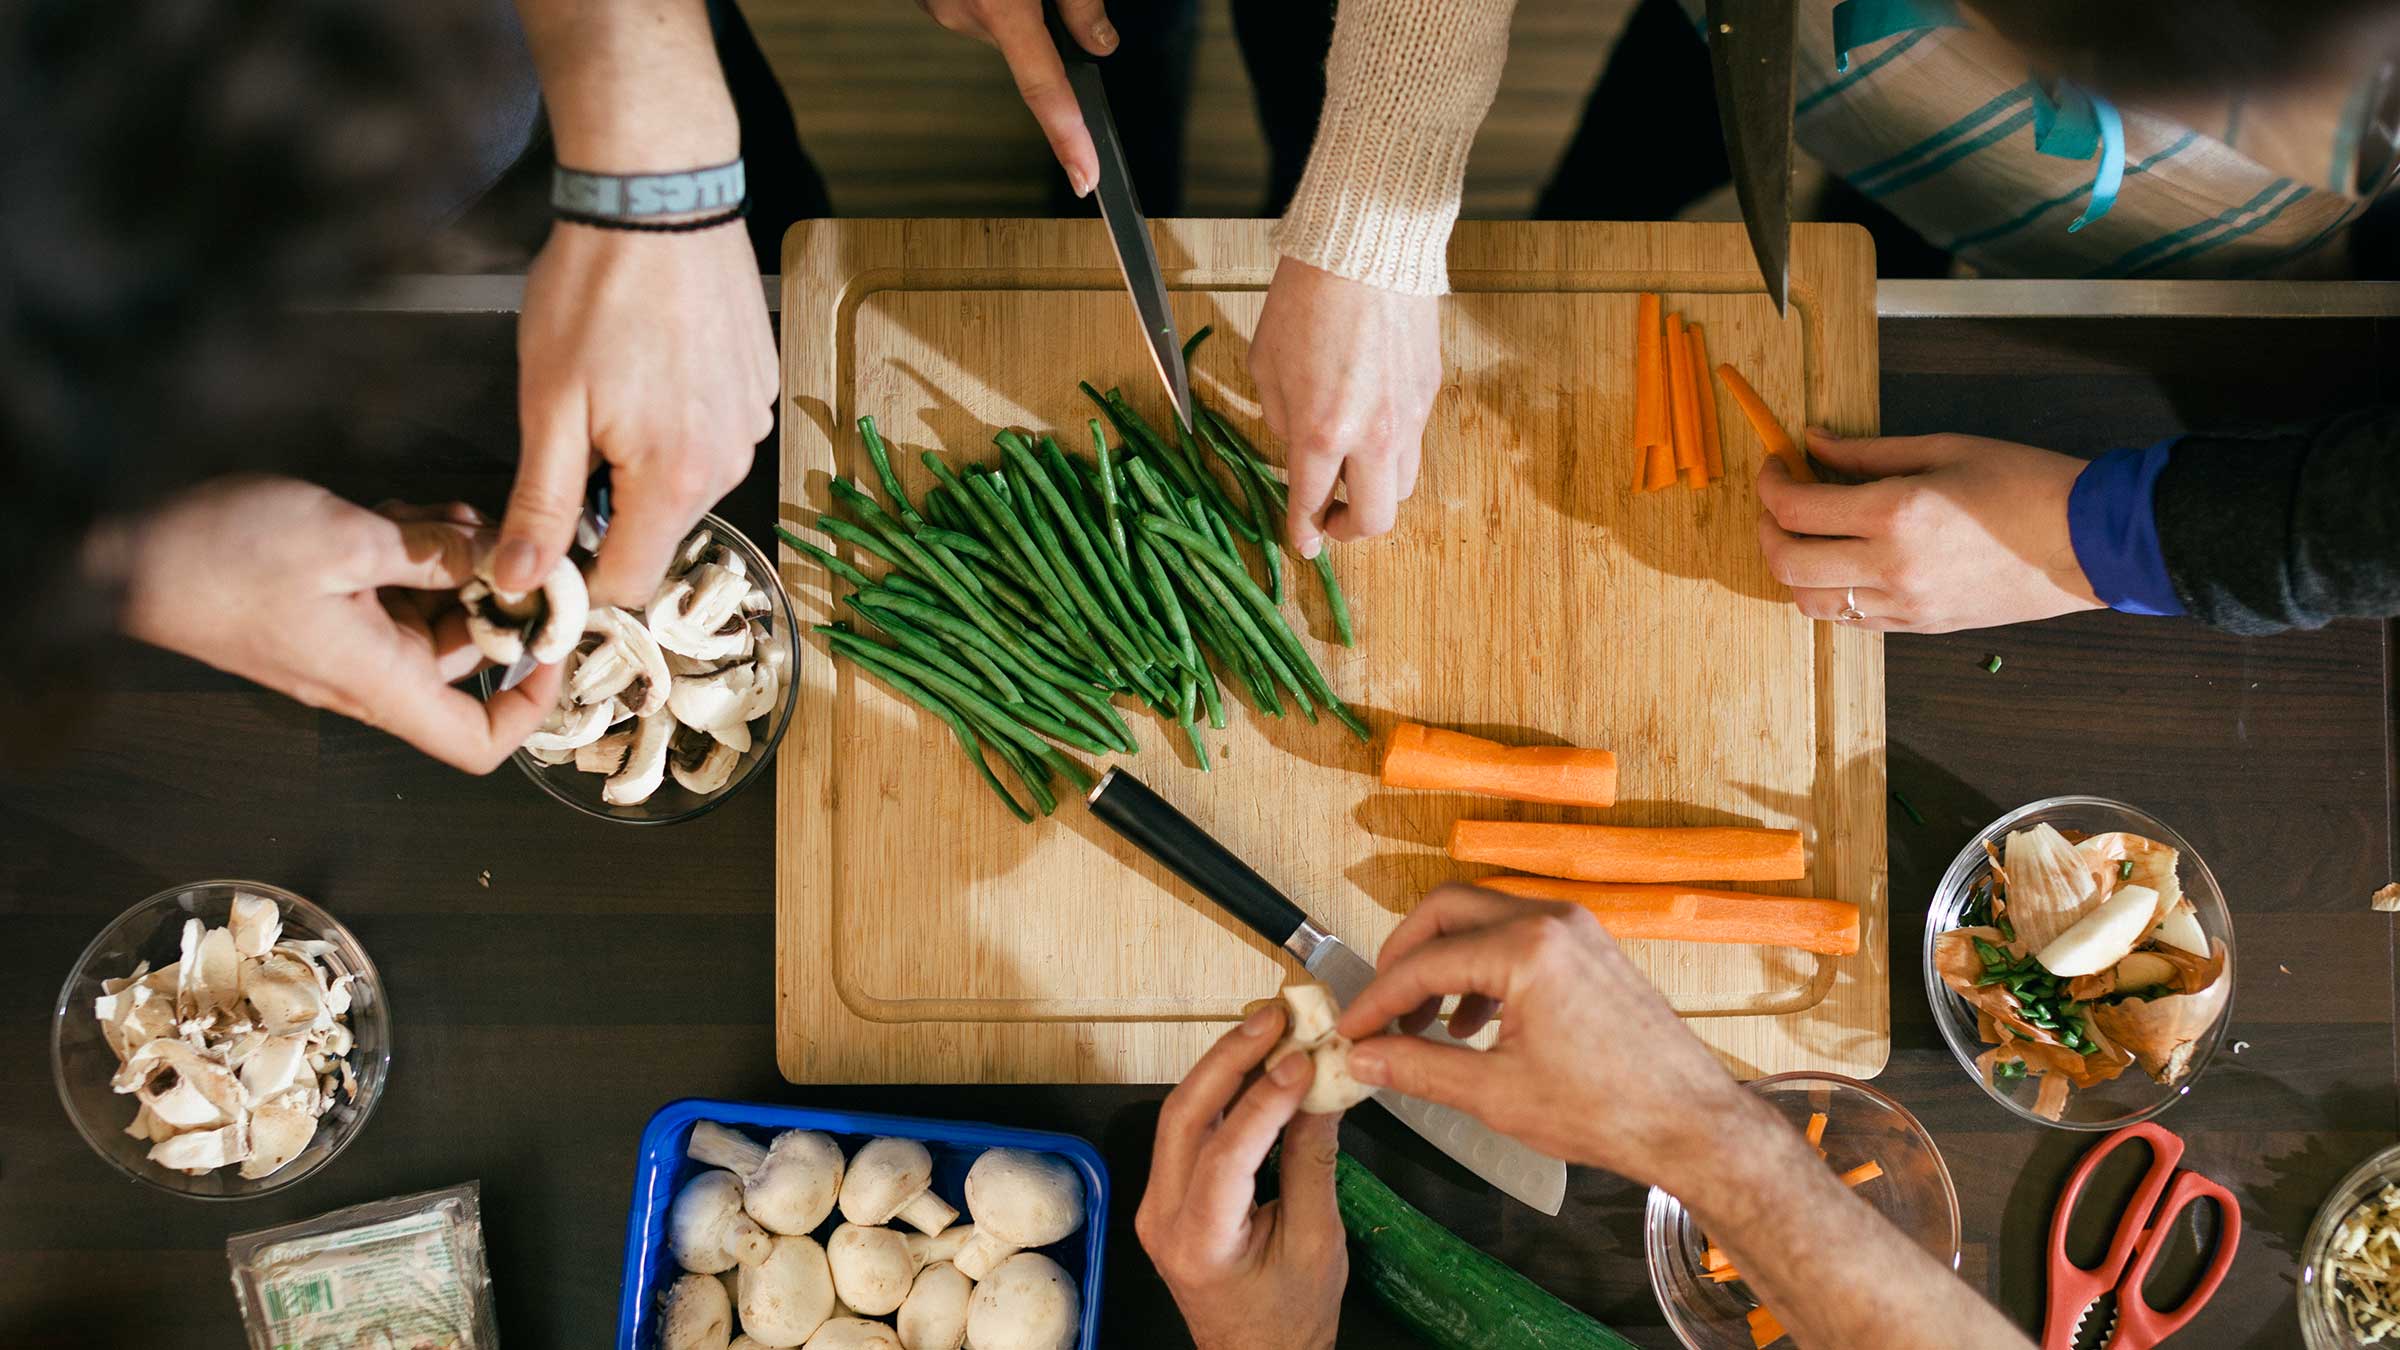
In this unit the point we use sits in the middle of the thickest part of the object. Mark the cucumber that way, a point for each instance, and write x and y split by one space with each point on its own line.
1447 1291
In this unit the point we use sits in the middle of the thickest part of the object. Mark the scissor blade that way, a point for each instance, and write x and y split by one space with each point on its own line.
1528 1174
1750 46
1129 234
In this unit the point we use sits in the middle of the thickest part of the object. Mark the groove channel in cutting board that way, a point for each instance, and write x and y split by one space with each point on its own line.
927 936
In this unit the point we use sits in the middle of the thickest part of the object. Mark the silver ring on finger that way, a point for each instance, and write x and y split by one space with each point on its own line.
1851 613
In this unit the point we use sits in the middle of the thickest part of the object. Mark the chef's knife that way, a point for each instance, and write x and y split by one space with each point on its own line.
1128 232
1130 808
1750 46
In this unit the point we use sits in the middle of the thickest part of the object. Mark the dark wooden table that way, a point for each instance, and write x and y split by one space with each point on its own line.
555 979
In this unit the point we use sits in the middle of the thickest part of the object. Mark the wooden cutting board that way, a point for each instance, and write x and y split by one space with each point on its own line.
925 936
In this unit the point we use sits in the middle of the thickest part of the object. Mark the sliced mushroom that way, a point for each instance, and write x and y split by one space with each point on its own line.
570 727
285 990
626 664
700 612
273 1068
645 762
606 755
256 923
544 622
717 704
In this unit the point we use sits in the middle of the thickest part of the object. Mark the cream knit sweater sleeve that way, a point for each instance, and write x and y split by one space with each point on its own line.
1406 85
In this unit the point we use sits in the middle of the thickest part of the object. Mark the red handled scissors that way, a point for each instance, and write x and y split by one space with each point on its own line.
2142 1232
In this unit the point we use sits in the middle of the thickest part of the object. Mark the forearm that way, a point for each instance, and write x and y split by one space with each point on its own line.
2287 530
632 86
1406 85
1831 1269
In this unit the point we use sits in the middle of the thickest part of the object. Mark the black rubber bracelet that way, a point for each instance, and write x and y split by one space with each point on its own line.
653 226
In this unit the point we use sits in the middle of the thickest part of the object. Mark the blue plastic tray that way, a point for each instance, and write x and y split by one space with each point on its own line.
661 1168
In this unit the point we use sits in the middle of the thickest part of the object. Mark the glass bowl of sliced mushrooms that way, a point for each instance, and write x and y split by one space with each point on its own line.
221 1039
2079 960
667 711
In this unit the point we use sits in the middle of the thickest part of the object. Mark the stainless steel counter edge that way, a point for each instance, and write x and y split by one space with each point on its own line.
1893 299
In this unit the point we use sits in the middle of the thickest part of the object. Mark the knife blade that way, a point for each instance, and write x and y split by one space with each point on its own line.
1750 46
1127 805
590 529
1128 232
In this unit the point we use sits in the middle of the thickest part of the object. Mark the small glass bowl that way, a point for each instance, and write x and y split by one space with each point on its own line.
81 1064
1914 1192
2321 1326
2132 1095
673 802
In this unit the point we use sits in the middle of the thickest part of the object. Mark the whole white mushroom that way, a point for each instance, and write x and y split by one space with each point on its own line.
788 1186
934 1317
1019 1199
853 1333
893 1178
706 1229
1028 1302
695 1315
787 1296
872 1268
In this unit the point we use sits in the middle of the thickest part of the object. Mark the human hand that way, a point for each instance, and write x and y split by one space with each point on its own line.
1954 532
652 351
1018 29
1589 1065
1247 1276
1346 376
281 582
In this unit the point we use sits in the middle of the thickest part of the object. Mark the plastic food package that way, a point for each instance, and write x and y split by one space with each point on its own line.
407 1273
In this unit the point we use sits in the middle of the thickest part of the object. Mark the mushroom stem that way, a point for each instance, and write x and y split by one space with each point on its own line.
928 1213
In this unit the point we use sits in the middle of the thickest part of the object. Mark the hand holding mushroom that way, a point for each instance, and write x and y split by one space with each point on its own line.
1246 1276
283 583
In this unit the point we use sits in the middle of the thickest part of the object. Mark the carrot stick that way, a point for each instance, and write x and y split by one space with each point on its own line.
1451 761
1764 1329
1863 1173
1690 460
1626 853
1687 914
1706 389
1658 467
1817 1120
1762 421
1649 378
1715 1258
1726 1276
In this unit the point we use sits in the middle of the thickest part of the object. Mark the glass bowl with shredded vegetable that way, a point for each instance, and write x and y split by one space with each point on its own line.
2061 1013
2350 1262
1872 1142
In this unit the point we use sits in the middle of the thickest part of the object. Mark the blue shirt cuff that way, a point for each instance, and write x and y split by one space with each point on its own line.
2114 527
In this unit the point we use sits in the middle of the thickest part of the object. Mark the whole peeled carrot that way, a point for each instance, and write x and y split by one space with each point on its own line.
1452 761
1650 426
1688 914
1762 420
1630 853
1705 391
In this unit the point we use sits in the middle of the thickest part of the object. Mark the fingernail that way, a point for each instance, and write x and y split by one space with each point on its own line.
514 565
1311 547
1820 436
1083 183
1257 1023
1105 33
1366 1064
1290 1069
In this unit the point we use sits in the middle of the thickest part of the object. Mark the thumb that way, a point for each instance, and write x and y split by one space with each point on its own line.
1415 1067
1088 21
548 496
1875 456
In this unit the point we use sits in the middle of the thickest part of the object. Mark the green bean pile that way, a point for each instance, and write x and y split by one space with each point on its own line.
1022 595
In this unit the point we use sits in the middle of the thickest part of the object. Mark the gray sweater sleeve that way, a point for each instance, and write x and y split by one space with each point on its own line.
2286 529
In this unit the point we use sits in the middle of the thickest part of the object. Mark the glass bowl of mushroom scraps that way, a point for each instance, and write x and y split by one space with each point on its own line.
666 712
221 1040
2350 1262
2079 959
